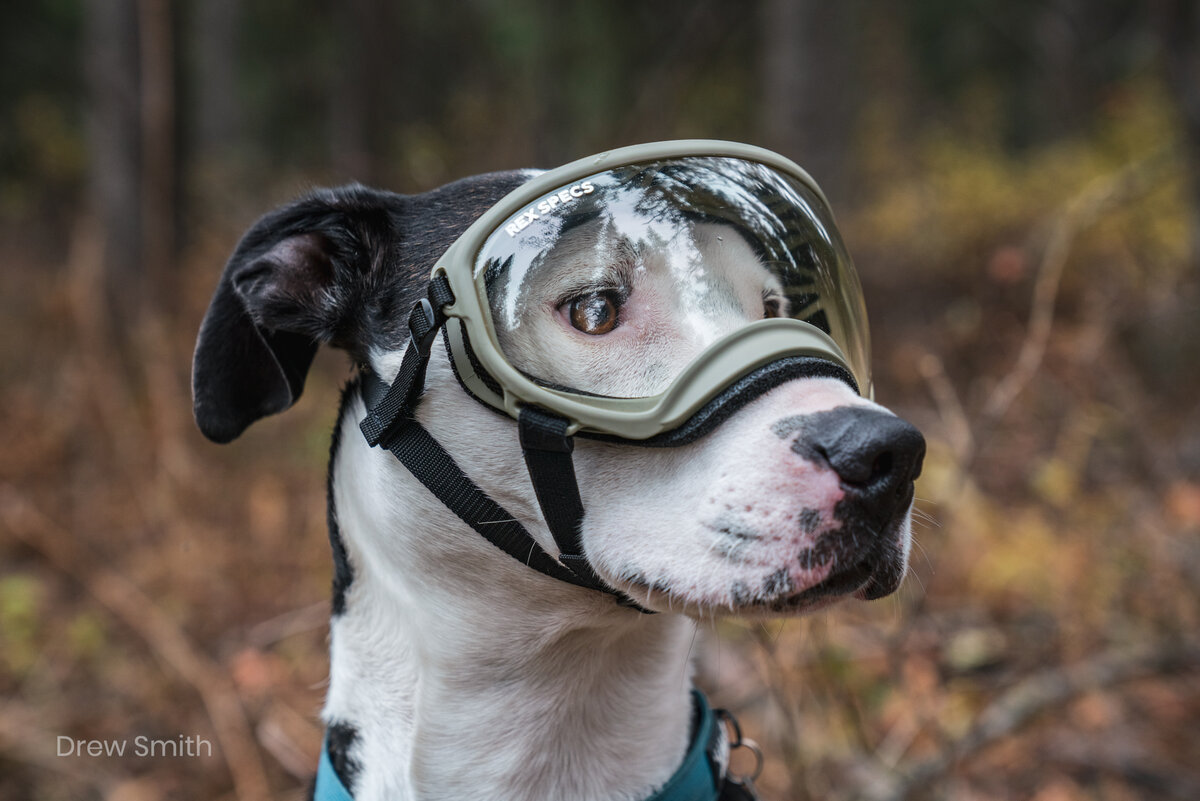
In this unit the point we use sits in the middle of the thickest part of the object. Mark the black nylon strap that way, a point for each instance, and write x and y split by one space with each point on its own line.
439 292
426 459
547 450
397 403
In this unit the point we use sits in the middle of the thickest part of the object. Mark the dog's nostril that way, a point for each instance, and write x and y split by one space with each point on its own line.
880 467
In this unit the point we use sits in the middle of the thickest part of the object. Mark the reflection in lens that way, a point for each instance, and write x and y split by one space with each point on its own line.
614 284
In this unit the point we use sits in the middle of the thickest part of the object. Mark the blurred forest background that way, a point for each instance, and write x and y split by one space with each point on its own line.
1017 180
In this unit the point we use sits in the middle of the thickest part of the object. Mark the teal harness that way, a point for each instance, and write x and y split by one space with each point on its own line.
329 786
701 777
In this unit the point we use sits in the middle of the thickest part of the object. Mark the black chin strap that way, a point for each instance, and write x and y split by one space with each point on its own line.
547 450
544 442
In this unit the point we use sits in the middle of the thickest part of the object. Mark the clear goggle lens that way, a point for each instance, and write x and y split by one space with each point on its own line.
615 283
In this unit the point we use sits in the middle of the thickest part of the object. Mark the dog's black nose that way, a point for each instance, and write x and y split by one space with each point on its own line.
876 455
870 450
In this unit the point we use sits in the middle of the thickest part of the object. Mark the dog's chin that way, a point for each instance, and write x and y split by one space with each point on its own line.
865 581
869 578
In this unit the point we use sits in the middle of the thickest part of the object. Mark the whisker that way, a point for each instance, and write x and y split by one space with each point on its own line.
924 516
924 553
920 582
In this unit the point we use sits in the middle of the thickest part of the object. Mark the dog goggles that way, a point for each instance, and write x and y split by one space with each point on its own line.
624 291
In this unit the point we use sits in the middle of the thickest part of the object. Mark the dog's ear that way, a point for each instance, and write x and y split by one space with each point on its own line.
285 290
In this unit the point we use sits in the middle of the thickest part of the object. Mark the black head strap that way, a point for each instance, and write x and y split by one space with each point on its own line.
395 408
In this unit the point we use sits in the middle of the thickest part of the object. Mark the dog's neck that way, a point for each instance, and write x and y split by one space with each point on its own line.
463 674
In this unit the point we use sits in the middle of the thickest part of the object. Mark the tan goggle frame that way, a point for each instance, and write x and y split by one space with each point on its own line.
722 363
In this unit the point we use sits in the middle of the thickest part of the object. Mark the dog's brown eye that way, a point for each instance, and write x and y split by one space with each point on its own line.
595 313
772 306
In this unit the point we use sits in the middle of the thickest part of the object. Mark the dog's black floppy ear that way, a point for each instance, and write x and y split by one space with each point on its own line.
284 291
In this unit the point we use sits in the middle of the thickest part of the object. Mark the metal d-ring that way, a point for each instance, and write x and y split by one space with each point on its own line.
738 741
753 748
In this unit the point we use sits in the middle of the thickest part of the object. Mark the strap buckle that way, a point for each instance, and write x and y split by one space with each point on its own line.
424 322
422 327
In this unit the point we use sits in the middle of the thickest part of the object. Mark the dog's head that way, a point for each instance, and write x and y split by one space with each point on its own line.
800 495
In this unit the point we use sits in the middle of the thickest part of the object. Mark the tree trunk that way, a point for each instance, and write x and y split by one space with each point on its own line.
366 44
158 147
1062 87
1179 31
114 144
218 112
808 85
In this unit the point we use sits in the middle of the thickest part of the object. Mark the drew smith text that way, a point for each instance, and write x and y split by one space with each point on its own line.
142 746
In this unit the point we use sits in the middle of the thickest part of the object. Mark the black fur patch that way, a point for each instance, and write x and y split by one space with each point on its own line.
740 594
343 571
824 551
340 738
860 556
424 227
777 584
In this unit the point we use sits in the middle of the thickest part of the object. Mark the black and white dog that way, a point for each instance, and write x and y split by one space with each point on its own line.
458 673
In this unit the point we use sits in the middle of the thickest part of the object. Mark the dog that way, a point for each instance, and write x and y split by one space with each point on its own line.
456 671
